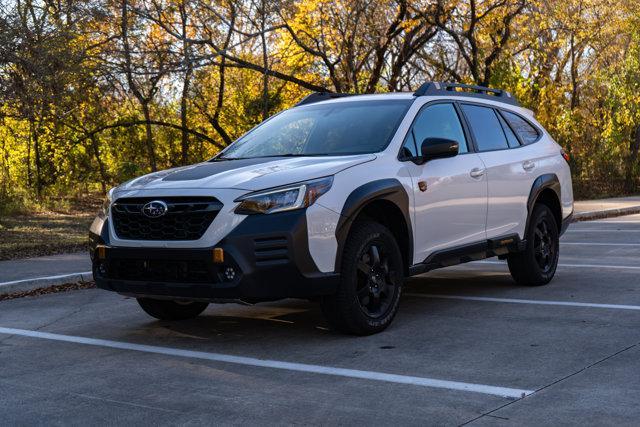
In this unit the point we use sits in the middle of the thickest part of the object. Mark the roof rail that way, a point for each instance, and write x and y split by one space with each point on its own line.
443 88
321 96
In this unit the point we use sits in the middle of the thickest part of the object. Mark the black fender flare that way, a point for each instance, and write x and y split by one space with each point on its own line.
548 180
389 189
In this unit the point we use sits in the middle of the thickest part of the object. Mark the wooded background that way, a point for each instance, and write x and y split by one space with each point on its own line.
95 92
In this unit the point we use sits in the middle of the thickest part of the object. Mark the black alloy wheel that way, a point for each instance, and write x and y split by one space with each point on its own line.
371 278
543 245
376 282
536 264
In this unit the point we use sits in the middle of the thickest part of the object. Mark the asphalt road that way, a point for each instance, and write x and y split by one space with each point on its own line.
465 346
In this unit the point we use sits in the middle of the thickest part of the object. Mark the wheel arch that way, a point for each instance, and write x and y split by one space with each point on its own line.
385 201
546 190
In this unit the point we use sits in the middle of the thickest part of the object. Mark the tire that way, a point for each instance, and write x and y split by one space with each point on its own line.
171 310
371 279
536 265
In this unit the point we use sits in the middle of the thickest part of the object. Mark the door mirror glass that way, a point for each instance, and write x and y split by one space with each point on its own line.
438 148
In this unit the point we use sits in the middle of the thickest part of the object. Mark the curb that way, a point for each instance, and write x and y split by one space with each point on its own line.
607 213
26 285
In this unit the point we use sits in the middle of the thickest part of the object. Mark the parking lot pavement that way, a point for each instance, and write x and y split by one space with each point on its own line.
466 343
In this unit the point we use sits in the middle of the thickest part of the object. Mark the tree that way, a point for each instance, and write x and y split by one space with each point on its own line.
477 35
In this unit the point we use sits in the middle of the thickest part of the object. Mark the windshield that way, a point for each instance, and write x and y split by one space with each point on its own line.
323 130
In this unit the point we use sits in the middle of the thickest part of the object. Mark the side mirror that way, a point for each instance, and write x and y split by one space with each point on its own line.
438 148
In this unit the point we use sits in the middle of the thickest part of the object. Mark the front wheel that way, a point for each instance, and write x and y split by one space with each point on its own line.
370 282
171 310
537 264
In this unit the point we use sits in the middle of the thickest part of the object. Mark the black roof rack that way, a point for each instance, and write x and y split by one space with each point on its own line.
321 96
442 88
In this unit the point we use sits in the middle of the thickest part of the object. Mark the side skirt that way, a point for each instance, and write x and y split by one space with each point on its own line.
499 246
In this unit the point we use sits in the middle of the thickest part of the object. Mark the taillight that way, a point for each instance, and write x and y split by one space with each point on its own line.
565 155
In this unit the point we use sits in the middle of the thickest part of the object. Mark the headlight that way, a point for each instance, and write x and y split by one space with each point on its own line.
295 196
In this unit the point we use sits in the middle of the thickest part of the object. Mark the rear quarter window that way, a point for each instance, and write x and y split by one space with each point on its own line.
486 128
527 133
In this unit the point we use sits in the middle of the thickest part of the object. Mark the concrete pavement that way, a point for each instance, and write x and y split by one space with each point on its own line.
580 361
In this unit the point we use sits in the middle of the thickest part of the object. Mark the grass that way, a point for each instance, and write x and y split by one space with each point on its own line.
48 232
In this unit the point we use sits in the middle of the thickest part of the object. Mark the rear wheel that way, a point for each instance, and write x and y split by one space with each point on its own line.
537 264
370 282
171 310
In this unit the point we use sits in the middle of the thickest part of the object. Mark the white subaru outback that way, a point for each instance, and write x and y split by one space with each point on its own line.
339 199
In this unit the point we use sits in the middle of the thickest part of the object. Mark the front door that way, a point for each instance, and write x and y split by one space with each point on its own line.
450 195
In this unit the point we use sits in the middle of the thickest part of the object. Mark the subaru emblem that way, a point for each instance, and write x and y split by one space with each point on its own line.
155 209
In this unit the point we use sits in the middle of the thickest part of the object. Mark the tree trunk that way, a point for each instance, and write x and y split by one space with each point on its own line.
632 161
186 51
29 171
265 64
5 169
184 144
575 100
103 173
36 152
149 138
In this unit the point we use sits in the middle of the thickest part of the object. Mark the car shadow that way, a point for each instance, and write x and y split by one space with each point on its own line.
291 322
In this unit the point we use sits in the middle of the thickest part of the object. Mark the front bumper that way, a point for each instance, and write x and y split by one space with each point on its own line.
265 258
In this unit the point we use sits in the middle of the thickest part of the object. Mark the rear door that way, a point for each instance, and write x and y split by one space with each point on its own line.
510 169
450 195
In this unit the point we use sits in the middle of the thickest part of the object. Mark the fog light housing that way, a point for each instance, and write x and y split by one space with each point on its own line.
229 273
102 268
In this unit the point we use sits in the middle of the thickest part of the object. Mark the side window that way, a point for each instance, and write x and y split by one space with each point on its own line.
439 121
511 137
485 127
527 133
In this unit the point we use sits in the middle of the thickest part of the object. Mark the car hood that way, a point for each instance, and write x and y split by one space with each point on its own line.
246 174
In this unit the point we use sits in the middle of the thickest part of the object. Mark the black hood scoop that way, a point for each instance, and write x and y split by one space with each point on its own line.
205 170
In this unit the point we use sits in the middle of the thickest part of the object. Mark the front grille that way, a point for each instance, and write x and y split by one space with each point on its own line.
187 271
271 251
187 218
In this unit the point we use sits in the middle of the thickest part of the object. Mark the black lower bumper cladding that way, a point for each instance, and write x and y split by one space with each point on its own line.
565 223
265 258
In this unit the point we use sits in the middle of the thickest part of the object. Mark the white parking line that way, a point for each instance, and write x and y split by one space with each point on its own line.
35 279
613 267
276 364
600 230
630 221
598 244
527 301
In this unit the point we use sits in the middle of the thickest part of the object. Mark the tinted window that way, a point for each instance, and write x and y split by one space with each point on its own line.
511 137
409 148
523 128
323 129
485 127
439 121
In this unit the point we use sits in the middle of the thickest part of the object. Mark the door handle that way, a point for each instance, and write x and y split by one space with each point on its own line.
528 165
476 172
